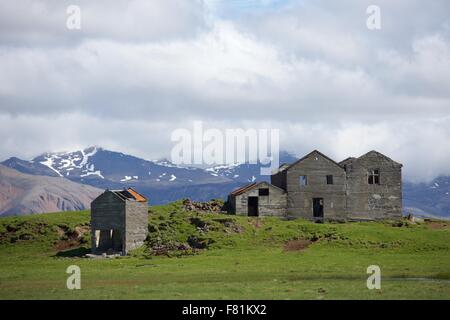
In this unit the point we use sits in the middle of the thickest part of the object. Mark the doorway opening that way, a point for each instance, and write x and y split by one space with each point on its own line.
108 240
253 206
318 208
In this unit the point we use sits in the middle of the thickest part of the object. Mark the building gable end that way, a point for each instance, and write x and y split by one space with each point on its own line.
314 153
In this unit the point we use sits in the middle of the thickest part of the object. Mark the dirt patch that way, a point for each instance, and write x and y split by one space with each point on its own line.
436 225
70 239
297 245
66 244
257 223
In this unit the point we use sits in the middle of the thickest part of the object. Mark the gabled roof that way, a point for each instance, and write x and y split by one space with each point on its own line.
129 194
311 153
379 154
346 160
281 168
252 186
137 196
243 189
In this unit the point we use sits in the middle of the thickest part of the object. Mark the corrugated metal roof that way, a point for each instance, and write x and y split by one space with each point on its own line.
130 194
137 196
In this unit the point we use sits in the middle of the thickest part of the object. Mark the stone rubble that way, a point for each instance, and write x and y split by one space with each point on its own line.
215 206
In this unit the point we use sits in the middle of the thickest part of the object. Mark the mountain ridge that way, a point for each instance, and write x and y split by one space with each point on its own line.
22 193
162 181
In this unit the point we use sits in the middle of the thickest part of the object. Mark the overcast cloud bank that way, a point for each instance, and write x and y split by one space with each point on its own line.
138 70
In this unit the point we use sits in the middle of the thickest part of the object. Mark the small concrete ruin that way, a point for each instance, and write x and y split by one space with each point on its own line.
119 222
259 199
318 188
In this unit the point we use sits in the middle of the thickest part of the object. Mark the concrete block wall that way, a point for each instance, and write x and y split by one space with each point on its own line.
272 205
117 224
300 198
374 201
107 213
136 220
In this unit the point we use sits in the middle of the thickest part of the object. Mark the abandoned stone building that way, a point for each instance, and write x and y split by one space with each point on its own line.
259 199
119 221
318 188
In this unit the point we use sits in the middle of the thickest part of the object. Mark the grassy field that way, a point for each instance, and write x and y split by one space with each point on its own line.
192 255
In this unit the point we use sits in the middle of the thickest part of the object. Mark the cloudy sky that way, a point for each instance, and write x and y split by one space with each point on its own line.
138 69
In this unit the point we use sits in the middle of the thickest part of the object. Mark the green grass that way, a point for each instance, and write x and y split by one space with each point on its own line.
244 258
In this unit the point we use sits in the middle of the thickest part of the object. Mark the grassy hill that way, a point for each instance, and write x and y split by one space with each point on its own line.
195 255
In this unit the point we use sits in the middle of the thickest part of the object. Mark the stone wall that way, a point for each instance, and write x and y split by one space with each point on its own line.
117 224
107 213
272 205
136 224
279 179
349 197
316 167
374 201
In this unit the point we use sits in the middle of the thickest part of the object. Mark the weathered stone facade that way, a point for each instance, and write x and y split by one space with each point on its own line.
119 221
315 167
382 200
316 187
271 202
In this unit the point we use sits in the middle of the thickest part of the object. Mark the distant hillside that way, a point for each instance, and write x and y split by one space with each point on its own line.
26 194
428 199
160 180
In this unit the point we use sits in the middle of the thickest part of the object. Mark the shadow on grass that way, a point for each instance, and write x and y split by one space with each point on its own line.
73 253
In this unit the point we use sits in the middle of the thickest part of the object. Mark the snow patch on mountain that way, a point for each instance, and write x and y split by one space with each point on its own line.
91 173
64 162
223 169
49 163
129 178
86 156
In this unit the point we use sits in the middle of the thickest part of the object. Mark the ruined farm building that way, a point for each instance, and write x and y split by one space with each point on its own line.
258 199
119 221
318 188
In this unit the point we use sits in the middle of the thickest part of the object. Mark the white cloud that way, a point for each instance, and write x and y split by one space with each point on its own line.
43 22
310 69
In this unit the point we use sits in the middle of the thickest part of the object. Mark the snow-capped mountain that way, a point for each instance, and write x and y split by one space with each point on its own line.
162 181
246 172
30 167
426 199
94 164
